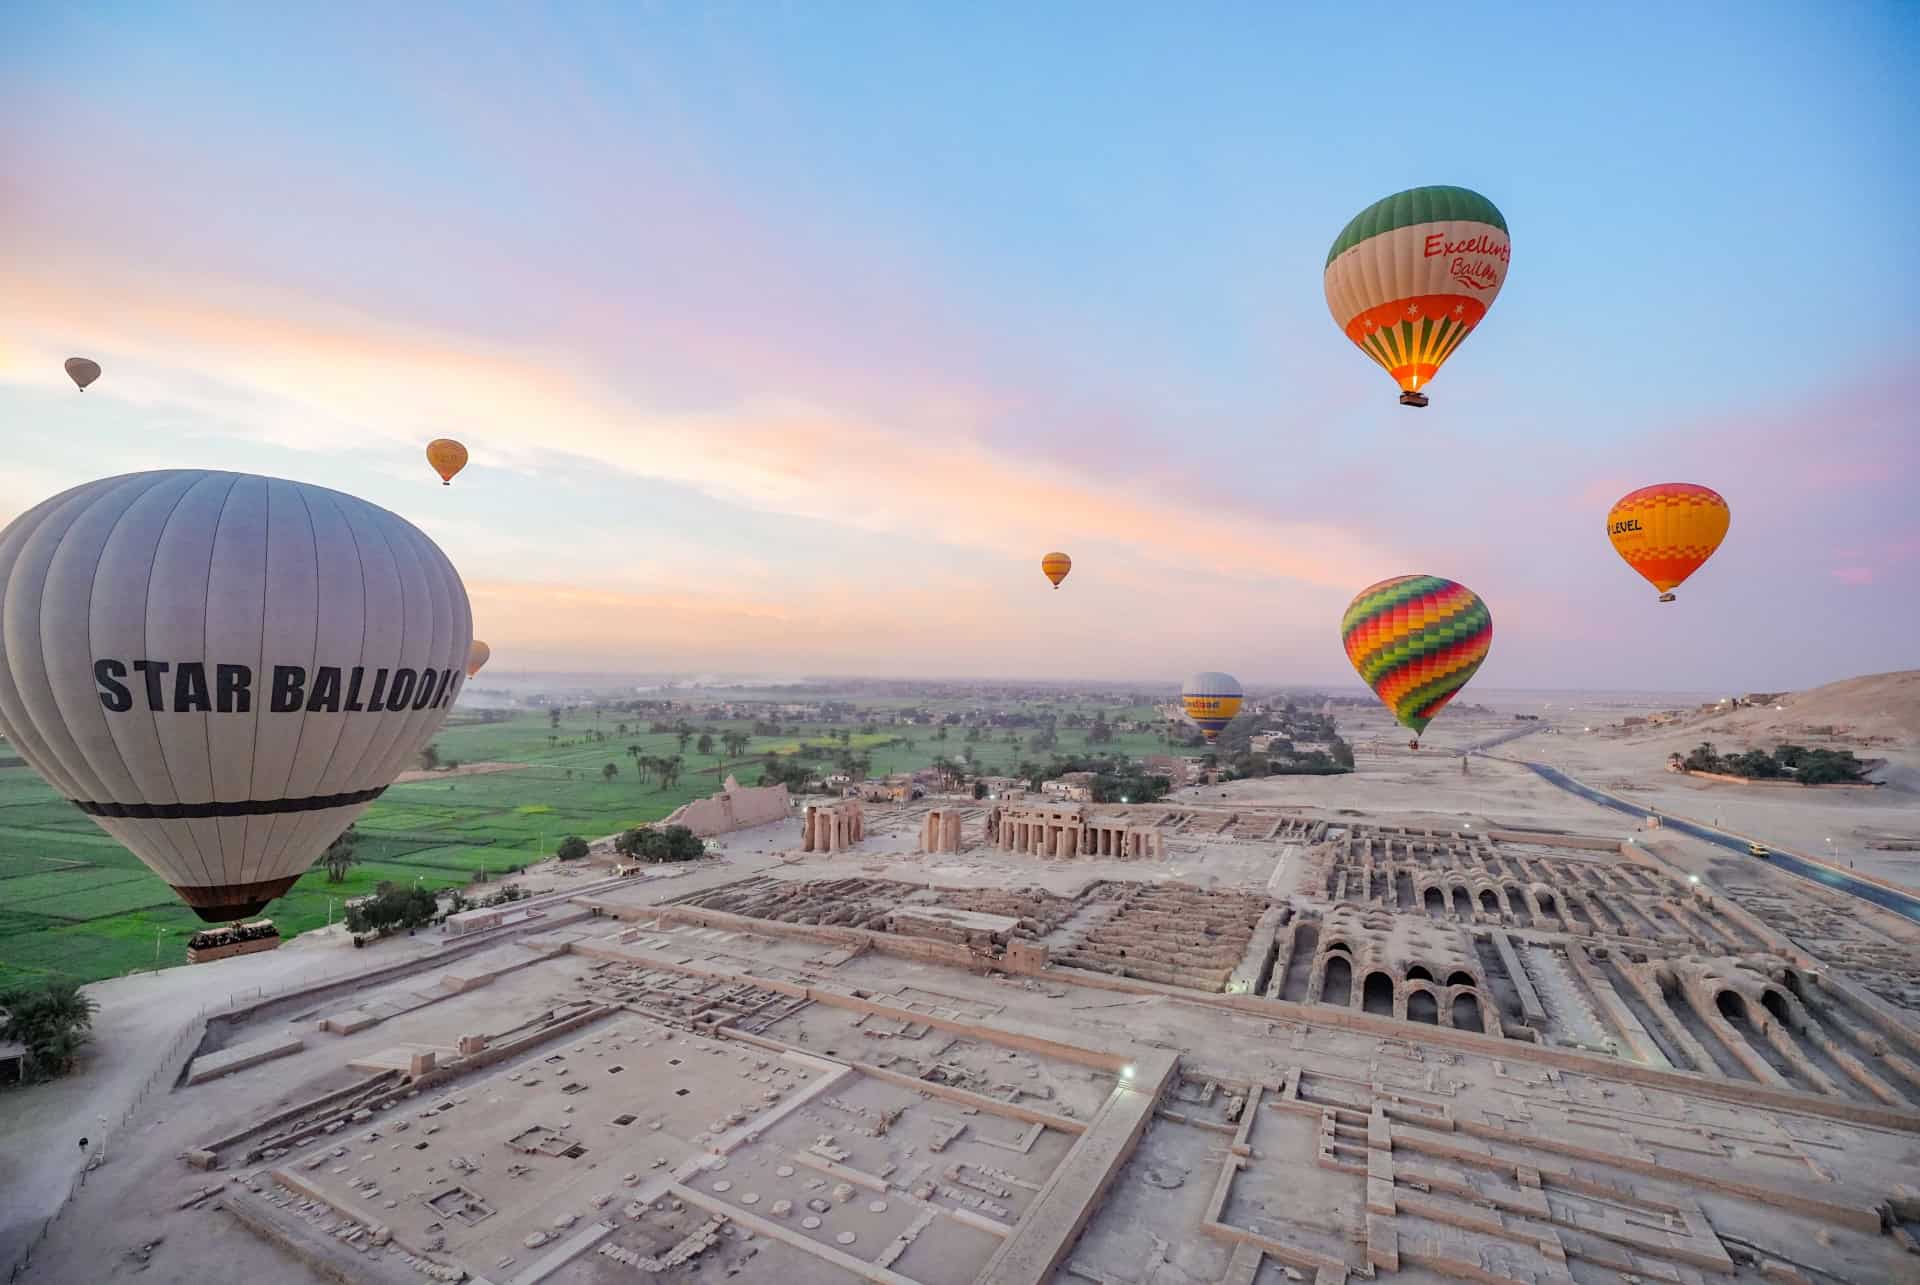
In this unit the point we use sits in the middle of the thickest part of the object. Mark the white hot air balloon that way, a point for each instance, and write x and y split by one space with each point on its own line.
224 670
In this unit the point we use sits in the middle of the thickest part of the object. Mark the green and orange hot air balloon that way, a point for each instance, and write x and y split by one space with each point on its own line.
1416 640
1412 275
1667 530
1054 566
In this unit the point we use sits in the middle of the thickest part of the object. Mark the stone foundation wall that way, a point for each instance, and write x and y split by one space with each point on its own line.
735 807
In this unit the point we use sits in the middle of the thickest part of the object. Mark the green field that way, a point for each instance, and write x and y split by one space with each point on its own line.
74 902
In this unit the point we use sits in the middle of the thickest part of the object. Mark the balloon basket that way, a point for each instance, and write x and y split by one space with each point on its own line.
1411 398
1666 597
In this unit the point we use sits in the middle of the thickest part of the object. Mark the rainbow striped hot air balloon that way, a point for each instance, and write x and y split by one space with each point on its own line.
1416 640
1411 276
1666 531
1211 700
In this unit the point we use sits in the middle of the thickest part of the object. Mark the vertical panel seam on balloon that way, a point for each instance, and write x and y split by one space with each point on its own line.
293 759
253 738
400 652
44 742
80 751
146 618
206 717
360 563
93 583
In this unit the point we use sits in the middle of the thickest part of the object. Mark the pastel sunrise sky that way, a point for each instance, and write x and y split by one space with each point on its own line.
787 337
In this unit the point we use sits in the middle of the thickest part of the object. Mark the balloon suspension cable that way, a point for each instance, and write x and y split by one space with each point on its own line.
1411 398
1666 597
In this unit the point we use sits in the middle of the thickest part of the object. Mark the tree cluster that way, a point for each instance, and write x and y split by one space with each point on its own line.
392 908
1787 762
670 843
1132 786
52 1020
572 848
340 856
787 770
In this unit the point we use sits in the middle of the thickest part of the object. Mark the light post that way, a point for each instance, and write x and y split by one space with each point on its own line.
158 933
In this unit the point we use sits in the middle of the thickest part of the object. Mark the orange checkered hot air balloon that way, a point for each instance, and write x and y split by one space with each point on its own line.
1055 567
1666 531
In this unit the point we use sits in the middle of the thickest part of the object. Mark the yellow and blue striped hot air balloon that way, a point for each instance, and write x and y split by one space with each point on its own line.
1211 700
1411 275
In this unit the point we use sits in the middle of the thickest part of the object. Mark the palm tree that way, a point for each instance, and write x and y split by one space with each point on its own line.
53 1021
339 856
706 743
669 772
684 735
610 771
736 742
430 757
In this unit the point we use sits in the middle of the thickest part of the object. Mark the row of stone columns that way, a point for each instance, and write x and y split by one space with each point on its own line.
831 827
1058 839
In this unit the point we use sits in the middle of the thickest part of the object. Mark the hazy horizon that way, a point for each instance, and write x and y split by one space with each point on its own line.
788 340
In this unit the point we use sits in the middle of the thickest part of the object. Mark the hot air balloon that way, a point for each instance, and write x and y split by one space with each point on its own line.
1055 566
447 457
1666 531
224 670
1416 640
1411 276
83 371
477 657
1211 700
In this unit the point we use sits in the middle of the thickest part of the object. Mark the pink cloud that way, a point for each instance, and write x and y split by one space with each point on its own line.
1853 575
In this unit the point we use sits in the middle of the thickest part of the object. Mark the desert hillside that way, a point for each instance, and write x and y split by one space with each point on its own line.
1879 709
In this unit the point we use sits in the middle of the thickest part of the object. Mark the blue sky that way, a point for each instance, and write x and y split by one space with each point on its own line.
788 337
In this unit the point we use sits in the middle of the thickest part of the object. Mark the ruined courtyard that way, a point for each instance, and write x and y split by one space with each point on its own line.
1022 1040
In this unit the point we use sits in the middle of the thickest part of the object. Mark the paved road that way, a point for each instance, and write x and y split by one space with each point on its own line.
1511 734
1899 903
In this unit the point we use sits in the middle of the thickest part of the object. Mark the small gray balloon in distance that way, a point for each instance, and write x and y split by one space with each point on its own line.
224 670
83 371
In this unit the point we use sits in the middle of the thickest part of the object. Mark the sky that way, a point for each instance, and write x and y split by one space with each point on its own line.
787 337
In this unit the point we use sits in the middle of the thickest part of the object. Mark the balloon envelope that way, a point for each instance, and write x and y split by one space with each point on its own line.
1416 640
1666 531
1412 275
477 656
1055 567
83 371
224 670
447 457
1211 700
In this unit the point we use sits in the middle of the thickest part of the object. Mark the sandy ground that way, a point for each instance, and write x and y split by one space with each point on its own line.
135 1029
1832 825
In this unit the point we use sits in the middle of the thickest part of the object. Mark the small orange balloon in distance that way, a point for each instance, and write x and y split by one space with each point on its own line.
1056 566
1667 530
447 457
83 371
477 655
